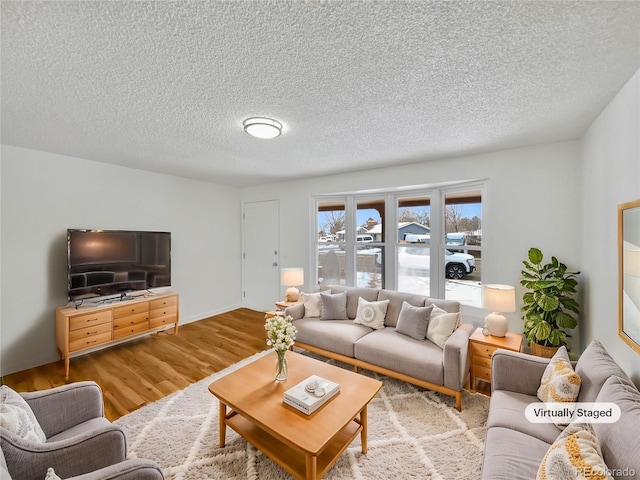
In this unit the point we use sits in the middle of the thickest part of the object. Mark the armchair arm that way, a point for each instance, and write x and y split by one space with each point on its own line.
517 372
134 469
58 409
456 357
93 449
296 311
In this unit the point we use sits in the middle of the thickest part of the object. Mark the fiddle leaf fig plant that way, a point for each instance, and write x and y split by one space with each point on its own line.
549 307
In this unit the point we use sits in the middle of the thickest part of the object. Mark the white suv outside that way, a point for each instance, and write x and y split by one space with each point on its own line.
457 265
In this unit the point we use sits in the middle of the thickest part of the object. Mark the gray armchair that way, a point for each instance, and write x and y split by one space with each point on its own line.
81 443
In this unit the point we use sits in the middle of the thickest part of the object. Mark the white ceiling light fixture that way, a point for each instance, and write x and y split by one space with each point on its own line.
261 127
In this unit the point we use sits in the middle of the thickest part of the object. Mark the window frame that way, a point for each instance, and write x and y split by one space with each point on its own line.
436 194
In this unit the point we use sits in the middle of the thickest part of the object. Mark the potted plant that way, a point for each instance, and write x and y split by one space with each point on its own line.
549 307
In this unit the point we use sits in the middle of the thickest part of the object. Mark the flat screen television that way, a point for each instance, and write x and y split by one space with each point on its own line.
116 262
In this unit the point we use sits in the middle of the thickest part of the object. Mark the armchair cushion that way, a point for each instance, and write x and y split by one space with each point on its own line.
17 417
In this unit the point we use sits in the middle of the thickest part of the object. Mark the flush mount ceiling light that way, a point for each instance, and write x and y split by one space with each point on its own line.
261 127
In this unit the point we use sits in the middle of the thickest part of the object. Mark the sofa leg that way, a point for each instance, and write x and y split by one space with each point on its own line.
355 369
459 401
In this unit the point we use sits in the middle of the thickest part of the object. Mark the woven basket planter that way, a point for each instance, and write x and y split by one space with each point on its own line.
542 351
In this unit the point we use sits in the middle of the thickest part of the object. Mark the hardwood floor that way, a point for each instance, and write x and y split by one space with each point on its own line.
142 371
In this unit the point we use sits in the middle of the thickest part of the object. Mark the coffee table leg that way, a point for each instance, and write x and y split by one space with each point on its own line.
363 434
311 466
222 424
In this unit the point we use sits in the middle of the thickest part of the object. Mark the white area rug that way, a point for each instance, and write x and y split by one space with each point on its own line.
413 433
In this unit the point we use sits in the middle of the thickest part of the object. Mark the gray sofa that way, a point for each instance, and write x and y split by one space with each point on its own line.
515 447
385 351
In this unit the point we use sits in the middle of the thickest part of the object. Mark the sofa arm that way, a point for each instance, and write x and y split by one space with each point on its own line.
58 409
296 311
79 454
517 372
134 469
456 357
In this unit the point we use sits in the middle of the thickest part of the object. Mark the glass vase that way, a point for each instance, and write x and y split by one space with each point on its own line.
282 369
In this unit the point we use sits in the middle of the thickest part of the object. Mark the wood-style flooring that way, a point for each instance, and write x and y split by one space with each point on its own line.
142 371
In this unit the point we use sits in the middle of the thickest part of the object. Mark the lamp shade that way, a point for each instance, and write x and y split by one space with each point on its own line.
292 277
499 298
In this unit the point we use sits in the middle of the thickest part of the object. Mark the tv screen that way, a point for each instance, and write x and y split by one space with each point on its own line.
111 262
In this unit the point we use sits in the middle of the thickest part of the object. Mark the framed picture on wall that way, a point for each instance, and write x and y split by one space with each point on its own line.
629 273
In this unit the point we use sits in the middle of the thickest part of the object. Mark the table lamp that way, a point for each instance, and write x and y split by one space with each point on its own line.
292 277
498 298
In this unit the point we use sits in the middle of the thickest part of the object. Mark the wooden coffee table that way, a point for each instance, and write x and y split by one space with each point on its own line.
306 446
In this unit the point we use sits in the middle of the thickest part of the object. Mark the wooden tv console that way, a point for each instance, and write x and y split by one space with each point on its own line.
79 330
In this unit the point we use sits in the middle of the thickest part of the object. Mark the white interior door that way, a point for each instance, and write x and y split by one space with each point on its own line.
261 264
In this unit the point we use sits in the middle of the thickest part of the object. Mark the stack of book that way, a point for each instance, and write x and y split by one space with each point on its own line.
311 394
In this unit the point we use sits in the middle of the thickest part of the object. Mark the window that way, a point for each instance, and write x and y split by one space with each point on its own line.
355 244
330 242
463 247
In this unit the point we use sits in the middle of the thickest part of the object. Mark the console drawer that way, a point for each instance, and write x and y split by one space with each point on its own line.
163 320
163 302
132 309
89 331
130 330
130 320
90 341
161 312
89 319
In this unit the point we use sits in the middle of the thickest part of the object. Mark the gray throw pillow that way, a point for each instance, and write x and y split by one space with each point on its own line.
334 306
413 321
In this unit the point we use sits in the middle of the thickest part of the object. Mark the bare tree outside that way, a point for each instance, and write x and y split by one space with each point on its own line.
333 222
453 216
417 215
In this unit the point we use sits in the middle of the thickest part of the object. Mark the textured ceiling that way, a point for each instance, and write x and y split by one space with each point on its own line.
164 86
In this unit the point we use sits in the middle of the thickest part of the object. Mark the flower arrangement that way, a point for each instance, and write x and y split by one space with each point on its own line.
281 333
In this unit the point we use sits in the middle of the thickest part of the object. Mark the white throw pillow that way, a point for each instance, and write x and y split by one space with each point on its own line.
575 447
371 314
441 326
312 303
559 383
17 417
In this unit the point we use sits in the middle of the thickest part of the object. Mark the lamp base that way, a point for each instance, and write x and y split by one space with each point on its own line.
292 294
497 324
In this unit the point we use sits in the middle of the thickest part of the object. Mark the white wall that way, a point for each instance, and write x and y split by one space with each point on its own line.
43 194
611 175
533 199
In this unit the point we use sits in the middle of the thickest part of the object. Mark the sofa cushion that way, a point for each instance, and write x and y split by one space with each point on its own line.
559 382
17 417
619 441
507 410
575 455
395 304
353 294
595 366
511 455
336 336
312 304
402 354
413 321
371 314
334 306
441 325
451 306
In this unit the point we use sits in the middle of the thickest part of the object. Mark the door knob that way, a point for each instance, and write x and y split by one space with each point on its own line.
275 264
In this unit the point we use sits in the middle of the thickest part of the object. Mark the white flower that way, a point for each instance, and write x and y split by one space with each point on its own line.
281 333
